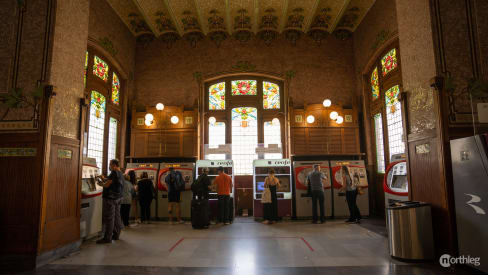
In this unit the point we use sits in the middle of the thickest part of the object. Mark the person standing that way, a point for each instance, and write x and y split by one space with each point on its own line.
199 204
135 200
270 210
128 193
315 180
224 186
147 193
351 189
174 195
112 197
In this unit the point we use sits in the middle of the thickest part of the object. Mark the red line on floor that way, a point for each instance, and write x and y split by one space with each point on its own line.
176 244
309 246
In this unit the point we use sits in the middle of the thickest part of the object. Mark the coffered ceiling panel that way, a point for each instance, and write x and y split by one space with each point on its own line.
130 14
186 15
243 14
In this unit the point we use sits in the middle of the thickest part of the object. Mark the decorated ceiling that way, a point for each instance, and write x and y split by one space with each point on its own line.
218 20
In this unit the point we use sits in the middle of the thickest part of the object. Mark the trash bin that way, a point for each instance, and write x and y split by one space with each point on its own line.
410 231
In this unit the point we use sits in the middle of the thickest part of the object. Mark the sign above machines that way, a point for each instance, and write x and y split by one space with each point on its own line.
143 165
221 149
271 162
272 148
215 163
177 165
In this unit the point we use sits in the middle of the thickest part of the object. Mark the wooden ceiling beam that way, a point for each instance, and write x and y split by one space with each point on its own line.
284 12
309 20
344 7
255 23
200 17
228 18
145 16
173 17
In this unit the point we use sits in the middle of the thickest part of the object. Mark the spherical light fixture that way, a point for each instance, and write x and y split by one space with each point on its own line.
212 120
333 115
327 103
310 119
275 121
149 117
339 120
174 119
149 122
160 106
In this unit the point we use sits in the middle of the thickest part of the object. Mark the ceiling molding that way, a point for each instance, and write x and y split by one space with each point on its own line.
309 19
338 18
173 17
284 17
228 17
147 18
200 18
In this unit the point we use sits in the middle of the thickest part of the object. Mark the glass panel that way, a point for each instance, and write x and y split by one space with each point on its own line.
272 135
216 137
244 87
216 96
96 127
115 89
380 150
86 66
244 139
394 121
112 139
389 62
100 68
375 87
271 95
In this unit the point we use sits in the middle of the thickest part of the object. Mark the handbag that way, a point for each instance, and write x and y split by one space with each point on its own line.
266 197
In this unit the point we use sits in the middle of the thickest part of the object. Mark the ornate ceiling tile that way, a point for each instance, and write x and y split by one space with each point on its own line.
213 13
354 14
327 15
186 14
242 14
158 17
131 16
268 27
298 12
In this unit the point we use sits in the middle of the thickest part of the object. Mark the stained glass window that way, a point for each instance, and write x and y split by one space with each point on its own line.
375 87
394 121
271 95
96 127
115 89
112 139
216 96
244 139
216 137
244 87
389 62
272 135
380 150
100 68
86 66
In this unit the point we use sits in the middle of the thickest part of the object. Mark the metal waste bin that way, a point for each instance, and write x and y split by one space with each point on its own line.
410 230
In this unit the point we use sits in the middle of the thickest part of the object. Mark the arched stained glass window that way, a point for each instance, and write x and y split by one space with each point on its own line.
272 135
244 139
375 87
271 95
96 127
100 68
115 89
389 62
216 137
380 151
244 87
216 96
394 121
112 139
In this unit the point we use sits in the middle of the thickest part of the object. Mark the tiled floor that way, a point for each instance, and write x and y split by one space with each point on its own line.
241 248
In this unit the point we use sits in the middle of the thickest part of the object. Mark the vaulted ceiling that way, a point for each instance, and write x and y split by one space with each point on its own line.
220 19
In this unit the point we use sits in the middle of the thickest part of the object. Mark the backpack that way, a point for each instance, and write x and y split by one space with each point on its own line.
177 181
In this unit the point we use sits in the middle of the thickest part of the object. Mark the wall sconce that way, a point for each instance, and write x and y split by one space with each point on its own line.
212 120
333 115
327 103
310 119
174 119
339 120
149 119
160 106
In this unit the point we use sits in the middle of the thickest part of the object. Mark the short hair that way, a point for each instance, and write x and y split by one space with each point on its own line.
115 162
144 175
316 166
220 169
171 169
271 171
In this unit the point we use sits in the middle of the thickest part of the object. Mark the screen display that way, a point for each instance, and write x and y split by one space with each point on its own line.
260 186
400 182
284 184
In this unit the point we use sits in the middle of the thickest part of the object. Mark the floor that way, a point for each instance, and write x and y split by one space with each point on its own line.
245 247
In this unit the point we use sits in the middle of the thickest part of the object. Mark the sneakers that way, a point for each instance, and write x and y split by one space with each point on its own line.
181 222
104 241
265 222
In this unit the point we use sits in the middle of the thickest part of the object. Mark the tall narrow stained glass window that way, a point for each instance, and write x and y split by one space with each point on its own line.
96 127
244 139
272 135
100 68
389 62
375 87
394 121
86 67
216 96
380 151
244 87
112 139
271 95
216 137
115 89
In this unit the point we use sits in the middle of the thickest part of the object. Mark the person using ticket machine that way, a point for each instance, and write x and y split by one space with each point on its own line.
315 182
350 185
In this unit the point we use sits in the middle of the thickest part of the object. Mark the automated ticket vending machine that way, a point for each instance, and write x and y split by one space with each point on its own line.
303 200
340 205
187 171
282 168
395 182
91 200
212 166
152 171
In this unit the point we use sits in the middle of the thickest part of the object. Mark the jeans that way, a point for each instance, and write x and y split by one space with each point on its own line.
145 210
112 223
224 208
124 212
353 207
318 196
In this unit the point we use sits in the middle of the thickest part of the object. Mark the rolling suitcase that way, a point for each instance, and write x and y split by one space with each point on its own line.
199 214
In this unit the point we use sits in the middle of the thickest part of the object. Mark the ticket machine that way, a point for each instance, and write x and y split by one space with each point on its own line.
340 205
91 200
152 171
212 166
303 200
395 183
282 168
187 171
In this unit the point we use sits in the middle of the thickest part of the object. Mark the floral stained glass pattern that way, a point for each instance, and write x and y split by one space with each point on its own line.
115 89
244 113
96 127
389 62
391 96
216 96
86 66
271 95
394 121
244 139
98 103
375 87
244 87
100 68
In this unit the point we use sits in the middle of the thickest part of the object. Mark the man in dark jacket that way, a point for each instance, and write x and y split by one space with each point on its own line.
202 185
146 191
173 181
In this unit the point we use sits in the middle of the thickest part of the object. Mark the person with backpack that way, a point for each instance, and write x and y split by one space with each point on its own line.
174 181
146 194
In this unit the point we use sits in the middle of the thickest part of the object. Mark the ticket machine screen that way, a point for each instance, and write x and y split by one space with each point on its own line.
284 184
260 186
399 182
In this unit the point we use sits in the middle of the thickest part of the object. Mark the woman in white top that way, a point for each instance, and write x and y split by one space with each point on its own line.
270 210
